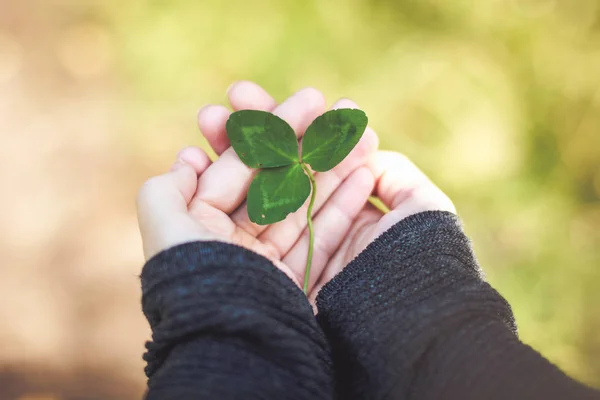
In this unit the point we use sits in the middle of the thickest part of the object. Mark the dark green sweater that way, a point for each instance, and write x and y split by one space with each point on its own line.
410 318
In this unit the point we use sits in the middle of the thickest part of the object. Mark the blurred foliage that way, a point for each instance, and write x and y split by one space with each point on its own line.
498 101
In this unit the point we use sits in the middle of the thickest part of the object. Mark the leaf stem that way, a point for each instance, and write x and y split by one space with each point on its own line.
378 204
311 233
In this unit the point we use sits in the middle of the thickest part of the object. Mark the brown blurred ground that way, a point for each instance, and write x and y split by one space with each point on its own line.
69 249
499 101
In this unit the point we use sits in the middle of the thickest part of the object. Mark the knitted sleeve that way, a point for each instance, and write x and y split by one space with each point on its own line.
226 324
412 318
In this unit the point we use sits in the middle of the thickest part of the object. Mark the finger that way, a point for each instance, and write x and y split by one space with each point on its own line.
164 198
174 190
246 95
347 251
401 186
167 193
283 235
404 188
195 157
331 225
211 121
242 95
225 182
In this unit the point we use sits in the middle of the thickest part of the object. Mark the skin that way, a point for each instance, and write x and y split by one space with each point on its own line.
201 200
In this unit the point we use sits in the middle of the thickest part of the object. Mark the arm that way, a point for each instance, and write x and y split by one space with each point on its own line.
412 317
226 324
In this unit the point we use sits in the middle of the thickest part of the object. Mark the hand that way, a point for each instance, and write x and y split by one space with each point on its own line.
404 189
200 200
344 223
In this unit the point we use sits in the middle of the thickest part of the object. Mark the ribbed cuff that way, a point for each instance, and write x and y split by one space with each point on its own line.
402 292
223 289
420 239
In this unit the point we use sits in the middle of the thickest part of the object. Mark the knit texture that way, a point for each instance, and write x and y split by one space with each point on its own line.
226 324
410 318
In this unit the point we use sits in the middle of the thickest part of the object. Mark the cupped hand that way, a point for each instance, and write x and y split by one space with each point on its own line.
344 223
200 200
203 200
405 189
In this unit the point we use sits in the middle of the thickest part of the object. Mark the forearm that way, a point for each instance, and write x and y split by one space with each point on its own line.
481 359
227 324
398 312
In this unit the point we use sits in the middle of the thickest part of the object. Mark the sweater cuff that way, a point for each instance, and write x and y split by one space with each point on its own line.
406 289
222 289
421 256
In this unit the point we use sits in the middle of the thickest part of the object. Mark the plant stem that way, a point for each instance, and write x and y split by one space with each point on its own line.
378 204
311 233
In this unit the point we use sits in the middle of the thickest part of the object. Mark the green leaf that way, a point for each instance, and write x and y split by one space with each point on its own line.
331 137
261 139
276 192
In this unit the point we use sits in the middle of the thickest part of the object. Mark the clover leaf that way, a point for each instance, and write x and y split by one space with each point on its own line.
276 192
285 180
261 139
331 137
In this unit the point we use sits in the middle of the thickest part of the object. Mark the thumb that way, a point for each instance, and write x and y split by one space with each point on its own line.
162 209
168 192
405 189
162 204
175 189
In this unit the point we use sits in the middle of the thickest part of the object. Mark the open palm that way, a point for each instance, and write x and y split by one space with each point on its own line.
344 223
219 202
404 189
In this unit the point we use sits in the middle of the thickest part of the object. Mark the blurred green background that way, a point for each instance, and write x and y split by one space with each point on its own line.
497 100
